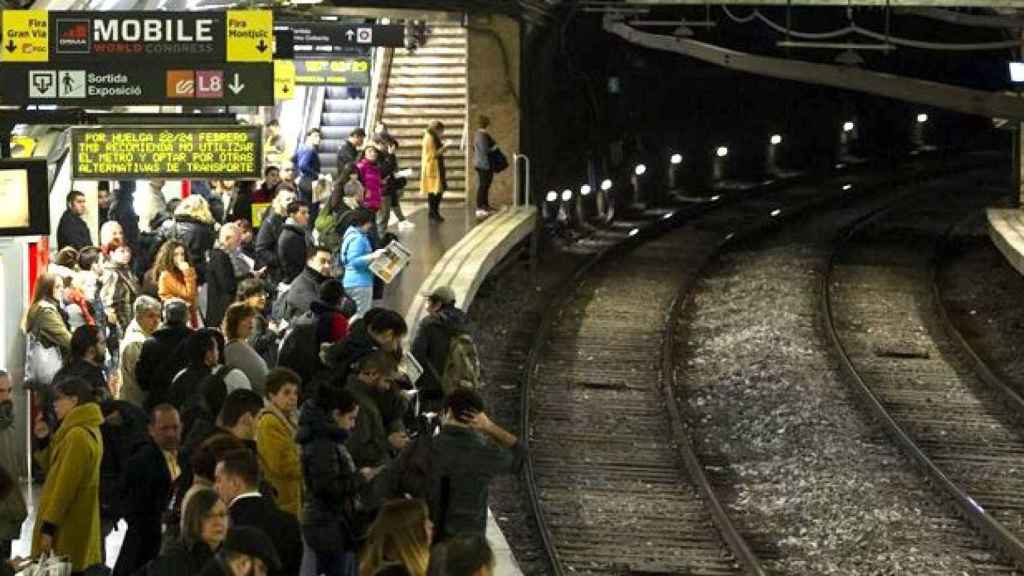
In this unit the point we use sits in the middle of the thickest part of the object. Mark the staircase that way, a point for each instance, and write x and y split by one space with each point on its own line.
429 84
340 116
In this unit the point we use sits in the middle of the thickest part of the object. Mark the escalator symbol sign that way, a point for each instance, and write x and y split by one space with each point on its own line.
42 84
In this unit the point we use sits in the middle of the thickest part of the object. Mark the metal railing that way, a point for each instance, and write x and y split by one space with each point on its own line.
516 185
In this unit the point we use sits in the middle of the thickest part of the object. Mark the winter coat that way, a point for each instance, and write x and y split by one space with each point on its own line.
180 560
347 154
307 163
146 495
73 231
240 355
430 346
159 361
463 463
198 238
342 356
369 173
331 322
331 482
46 322
327 227
266 244
482 146
86 371
301 294
179 285
263 340
432 177
221 286
119 291
69 502
380 414
355 257
131 348
292 247
280 460
12 509
283 528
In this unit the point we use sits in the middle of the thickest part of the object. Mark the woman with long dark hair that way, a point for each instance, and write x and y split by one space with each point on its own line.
175 277
44 317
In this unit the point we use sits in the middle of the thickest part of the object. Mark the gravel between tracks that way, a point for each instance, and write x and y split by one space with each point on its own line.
813 480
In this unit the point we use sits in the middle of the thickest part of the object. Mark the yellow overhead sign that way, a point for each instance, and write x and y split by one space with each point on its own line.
284 79
250 36
26 36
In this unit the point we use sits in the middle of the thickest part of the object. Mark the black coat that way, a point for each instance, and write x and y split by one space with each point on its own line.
146 495
160 360
300 296
331 479
431 343
73 231
266 244
281 526
198 238
291 250
347 154
342 356
89 372
221 286
180 561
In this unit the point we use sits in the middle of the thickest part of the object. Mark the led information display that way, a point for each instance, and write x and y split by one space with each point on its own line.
333 72
126 152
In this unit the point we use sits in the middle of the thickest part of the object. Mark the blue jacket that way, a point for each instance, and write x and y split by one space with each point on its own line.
307 162
355 257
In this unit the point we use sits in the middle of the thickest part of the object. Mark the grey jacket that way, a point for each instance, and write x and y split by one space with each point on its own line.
241 355
482 146
463 464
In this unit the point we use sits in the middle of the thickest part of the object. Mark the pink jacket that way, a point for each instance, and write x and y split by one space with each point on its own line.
370 175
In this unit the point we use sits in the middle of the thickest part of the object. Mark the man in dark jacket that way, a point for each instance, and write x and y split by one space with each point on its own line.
88 355
348 153
469 451
247 551
433 338
304 288
295 243
307 162
270 231
160 360
147 488
380 430
72 230
378 329
237 483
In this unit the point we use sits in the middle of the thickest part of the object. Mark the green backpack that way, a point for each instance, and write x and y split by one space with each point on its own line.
462 368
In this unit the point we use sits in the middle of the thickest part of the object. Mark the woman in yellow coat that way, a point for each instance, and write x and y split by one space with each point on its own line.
68 522
276 426
432 171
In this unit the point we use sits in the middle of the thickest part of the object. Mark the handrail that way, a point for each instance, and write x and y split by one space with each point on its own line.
378 93
515 179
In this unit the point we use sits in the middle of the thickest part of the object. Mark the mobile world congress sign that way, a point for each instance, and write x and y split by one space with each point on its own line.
130 152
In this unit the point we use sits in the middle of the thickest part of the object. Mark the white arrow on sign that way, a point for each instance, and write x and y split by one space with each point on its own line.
237 85
349 34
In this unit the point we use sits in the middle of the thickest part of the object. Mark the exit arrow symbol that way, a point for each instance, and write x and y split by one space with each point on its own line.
350 34
11 46
262 46
237 85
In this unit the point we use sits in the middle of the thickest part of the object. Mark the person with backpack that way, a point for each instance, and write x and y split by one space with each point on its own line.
326 322
332 217
445 350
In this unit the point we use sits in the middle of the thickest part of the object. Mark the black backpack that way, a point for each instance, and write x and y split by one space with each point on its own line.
300 349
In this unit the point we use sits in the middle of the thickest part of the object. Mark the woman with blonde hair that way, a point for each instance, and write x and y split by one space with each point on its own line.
398 543
175 277
193 227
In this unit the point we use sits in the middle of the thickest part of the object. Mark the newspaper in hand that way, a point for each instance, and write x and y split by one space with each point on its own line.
391 262
410 367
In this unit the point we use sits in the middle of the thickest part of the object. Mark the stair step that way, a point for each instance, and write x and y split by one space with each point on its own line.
340 118
395 112
335 132
446 40
413 101
425 91
354 106
424 60
432 71
339 93
416 81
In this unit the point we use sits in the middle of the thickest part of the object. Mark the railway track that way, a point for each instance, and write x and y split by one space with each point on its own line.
959 424
615 484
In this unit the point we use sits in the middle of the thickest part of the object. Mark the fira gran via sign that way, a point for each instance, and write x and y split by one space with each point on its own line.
231 36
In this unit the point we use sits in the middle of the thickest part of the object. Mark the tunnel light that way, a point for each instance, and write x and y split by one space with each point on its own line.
722 152
640 170
776 139
847 126
634 232
585 190
667 216
676 159
552 196
847 187
606 185
715 198
566 195
922 118
776 212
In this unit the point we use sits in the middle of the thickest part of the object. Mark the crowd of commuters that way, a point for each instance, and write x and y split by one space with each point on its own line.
237 399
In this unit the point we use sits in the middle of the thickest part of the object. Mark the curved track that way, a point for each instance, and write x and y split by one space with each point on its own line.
959 425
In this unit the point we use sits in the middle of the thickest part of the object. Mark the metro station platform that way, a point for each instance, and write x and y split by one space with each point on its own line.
459 253
1006 228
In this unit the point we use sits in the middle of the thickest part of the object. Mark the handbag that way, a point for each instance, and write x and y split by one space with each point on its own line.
497 160
41 361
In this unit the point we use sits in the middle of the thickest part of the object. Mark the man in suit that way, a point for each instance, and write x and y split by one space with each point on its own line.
147 488
237 482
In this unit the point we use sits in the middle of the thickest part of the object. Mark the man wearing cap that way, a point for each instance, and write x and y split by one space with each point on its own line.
246 551
431 344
